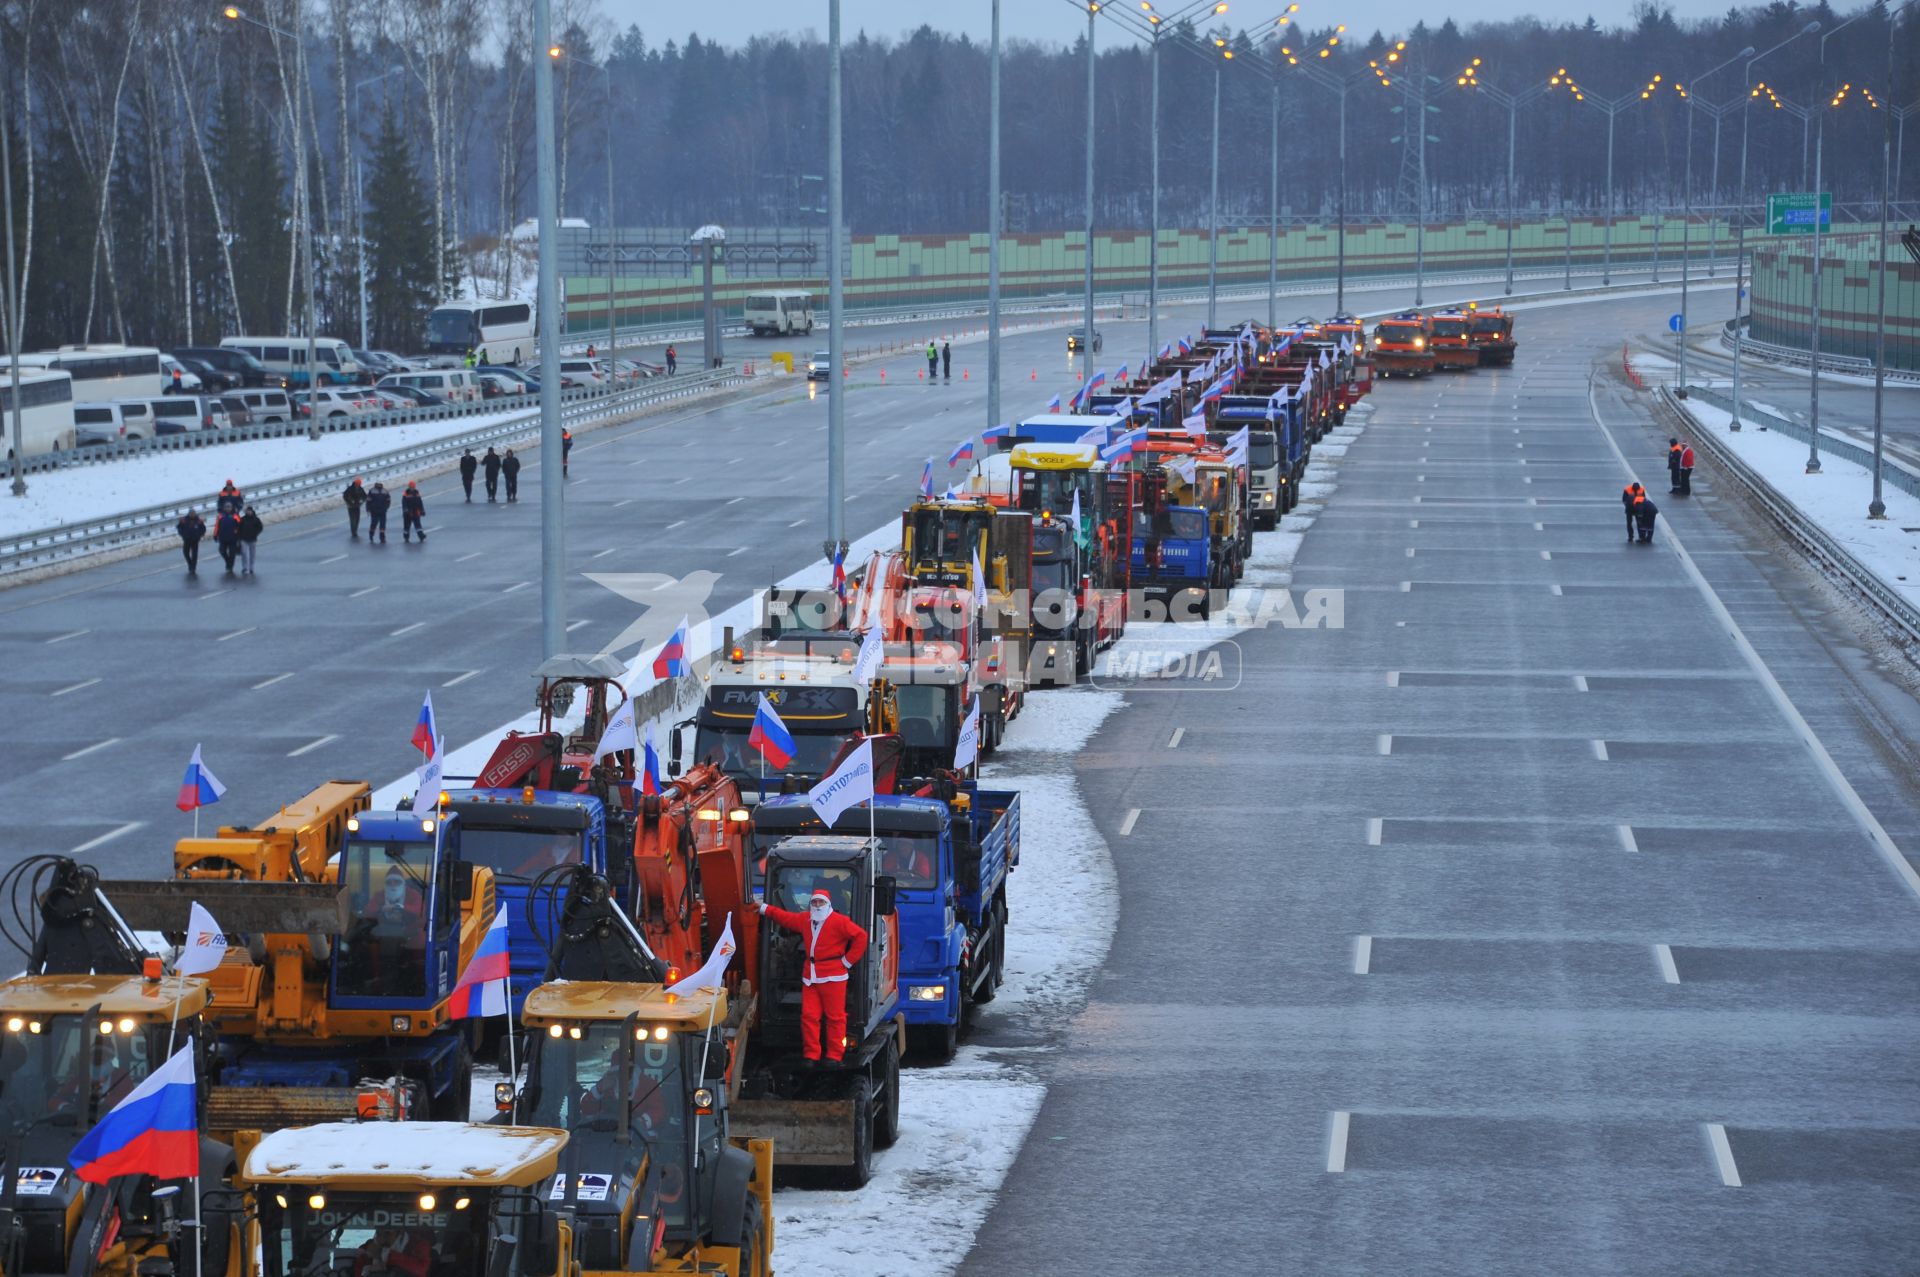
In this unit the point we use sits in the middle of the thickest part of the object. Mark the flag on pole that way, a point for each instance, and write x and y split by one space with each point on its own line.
424 731
1097 382
1073 516
979 582
672 659
1186 346
1053 404
967 748
1120 378
712 974
769 735
619 734
873 654
1000 431
1196 421
926 479
650 782
205 945
851 783
154 1131
199 787
482 987
1166 351
840 573
1239 447
1095 436
426 794
962 453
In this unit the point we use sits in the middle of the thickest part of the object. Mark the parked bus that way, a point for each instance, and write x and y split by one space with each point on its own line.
104 373
499 332
285 359
779 314
46 411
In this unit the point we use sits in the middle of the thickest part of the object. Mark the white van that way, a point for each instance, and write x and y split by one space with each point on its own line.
780 314
581 374
266 404
285 358
180 414
455 385
97 423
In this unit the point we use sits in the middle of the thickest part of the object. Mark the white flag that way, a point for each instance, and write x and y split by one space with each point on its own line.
1196 421
850 784
967 748
205 945
713 972
873 654
427 796
619 734
979 583
1073 516
1187 469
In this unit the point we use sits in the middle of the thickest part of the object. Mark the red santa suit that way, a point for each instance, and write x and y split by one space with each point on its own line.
834 942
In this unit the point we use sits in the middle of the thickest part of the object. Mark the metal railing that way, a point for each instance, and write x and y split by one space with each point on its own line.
1798 357
41 548
1892 472
1814 540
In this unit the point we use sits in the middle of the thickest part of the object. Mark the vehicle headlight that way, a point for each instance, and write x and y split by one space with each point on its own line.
927 993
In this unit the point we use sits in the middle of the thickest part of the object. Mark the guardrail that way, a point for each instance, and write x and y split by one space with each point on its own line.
1813 539
41 548
1892 472
1796 357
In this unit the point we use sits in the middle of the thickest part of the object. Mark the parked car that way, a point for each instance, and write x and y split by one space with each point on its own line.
177 379
581 374
820 367
99 423
374 362
210 377
455 385
494 386
238 363
1077 340
334 403
182 414
411 396
267 404
238 414
400 362
528 385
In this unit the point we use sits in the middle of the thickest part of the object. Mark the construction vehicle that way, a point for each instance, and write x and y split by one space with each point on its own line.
1201 475
1492 333
944 544
87 1020
1171 550
949 852
1091 563
1451 339
1400 346
550 759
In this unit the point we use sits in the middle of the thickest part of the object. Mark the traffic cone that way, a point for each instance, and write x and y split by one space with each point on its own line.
921 375
965 375
883 374
1034 375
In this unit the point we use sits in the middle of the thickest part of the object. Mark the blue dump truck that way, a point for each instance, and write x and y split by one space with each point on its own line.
949 857
1172 552
1276 451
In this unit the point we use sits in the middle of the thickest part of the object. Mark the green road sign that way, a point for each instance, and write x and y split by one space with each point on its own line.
1794 214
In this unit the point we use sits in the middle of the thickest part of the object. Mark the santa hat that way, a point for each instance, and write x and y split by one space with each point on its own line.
820 897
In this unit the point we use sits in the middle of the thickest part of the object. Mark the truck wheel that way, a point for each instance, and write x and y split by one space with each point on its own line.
753 1228
996 953
886 1123
937 1042
861 1170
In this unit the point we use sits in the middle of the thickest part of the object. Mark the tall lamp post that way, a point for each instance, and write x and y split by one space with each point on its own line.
556 52
1470 79
1740 233
836 543
1813 332
993 223
1876 507
1686 222
14 316
1611 108
1086 345
1900 114
553 523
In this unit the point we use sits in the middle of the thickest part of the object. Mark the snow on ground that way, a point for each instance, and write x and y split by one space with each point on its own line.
77 494
1835 499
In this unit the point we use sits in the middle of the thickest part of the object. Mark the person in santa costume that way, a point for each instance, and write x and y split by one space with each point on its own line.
834 942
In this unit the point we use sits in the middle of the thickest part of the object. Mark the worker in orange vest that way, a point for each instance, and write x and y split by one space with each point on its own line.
1628 495
834 943
1686 469
1673 465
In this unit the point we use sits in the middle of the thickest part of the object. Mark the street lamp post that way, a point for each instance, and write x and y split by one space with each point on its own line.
1813 334
553 523
1086 346
1213 203
1470 78
14 315
836 544
1309 62
1611 108
1900 114
993 223
1876 506
1686 222
613 320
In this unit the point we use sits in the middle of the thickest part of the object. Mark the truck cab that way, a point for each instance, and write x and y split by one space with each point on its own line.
1452 340
1173 554
1400 346
1492 333
1272 483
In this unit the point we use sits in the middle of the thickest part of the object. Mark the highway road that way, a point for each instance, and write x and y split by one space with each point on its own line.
1529 923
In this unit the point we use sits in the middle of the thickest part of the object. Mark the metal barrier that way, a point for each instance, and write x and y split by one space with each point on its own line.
1893 473
92 536
1797 357
1823 549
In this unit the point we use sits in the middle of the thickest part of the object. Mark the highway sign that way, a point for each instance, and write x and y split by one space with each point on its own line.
1794 214
1675 323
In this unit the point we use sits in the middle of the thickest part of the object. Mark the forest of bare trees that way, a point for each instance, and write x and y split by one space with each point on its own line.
162 154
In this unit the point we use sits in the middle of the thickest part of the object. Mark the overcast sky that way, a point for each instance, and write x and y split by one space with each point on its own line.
732 21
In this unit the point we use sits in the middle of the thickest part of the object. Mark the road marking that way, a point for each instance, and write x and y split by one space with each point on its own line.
518 586
797 523
61 638
1126 826
408 629
335 559
1362 954
1409 552
91 749
1600 750
1375 826
311 745
1547 555
1664 956
236 634
604 553
366 590
107 837
685 478
214 594
1337 1144
741 550
1413 523
463 558
1555 589
458 679
675 524
1179 733
1393 678
577 624
628 501
1579 682
1384 742
1723 1154
1539 527
76 687
1626 838
736 500
269 682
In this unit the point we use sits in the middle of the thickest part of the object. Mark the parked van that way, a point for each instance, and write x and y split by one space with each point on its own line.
455 385
179 414
285 359
97 423
782 313
267 405
578 374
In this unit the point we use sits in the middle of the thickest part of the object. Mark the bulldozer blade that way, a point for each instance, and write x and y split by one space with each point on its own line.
240 907
804 1132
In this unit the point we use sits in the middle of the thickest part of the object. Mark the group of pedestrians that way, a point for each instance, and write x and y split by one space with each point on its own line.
236 531
938 358
377 502
1640 509
496 467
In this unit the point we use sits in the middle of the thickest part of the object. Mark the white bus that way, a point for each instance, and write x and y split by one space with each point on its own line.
779 314
285 358
46 411
102 373
497 332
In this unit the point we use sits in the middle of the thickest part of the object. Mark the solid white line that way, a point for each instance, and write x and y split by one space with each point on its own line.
1376 826
1362 954
463 558
577 624
408 629
1579 682
1393 678
1626 838
1848 795
236 634
520 586
366 590
269 682
1126 826
311 745
458 679
335 559
107 837
1179 733
91 749
1723 1154
76 687
685 478
1600 750
61 638
1663 955
1384 742
676 523
1337 1144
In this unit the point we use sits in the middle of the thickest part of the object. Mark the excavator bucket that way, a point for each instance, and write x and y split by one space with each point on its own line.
239 906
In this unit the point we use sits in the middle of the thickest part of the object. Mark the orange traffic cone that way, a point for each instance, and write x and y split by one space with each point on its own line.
922 376
965 375
883 374
1034 375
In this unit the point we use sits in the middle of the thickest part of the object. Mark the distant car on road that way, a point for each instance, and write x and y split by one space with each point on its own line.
413 396
820 366
581 374
267 404
1077 340
235 363
238 414
528 385
101 423
210 377
332 404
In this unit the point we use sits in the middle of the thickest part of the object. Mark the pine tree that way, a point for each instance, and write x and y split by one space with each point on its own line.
254 197
401 274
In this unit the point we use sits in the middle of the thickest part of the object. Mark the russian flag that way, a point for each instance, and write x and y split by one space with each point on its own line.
1186 347
962 453
840 574
1166 351
1053 404
997 432
154 1131
926 479
650 769
1096 383
769 735
1123 373
672 661
482 988
1214 392
424 732
199 787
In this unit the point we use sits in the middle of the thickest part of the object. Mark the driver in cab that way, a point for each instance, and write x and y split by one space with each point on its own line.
394 1252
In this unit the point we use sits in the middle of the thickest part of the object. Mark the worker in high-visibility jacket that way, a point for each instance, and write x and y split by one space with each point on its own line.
834 943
